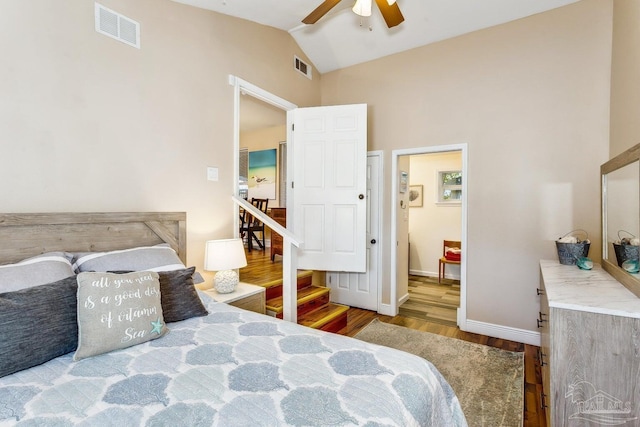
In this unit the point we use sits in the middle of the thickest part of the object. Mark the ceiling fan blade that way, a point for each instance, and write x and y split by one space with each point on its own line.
320 11
391 14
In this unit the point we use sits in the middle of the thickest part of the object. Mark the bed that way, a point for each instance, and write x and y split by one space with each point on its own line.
221 366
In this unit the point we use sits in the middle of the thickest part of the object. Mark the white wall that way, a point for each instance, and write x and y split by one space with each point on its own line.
432 223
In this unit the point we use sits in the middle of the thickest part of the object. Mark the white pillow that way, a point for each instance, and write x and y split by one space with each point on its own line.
150 258
39 270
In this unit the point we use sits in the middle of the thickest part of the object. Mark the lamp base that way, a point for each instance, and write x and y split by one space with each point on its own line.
225 281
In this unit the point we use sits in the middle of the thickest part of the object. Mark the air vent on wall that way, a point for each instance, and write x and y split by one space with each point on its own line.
114 25
302 66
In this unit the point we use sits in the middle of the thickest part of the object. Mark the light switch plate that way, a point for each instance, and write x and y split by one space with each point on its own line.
212 174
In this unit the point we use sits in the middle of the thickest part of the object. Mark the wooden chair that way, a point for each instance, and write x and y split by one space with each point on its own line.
443 260
251 225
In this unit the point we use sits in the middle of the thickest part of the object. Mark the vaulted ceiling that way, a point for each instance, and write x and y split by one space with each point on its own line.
341 38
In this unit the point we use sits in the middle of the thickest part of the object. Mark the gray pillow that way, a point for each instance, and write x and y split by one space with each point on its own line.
179 297
37 324
39 270
117 311
148 258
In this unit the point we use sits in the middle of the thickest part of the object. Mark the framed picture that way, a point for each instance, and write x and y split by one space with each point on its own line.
415 196
262 174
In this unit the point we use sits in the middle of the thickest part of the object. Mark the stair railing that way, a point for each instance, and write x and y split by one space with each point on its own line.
291 245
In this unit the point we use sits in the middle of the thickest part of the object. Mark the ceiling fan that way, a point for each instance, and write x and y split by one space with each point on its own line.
389 9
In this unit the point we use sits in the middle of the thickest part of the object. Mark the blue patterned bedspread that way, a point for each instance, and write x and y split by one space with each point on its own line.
234 368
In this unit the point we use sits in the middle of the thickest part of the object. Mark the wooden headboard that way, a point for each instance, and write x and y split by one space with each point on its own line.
30 234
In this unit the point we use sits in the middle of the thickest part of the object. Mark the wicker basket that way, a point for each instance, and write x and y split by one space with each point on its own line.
568 253
625 252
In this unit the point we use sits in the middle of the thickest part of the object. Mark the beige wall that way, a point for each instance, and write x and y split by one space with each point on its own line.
530 98
91 124
625 76
432 223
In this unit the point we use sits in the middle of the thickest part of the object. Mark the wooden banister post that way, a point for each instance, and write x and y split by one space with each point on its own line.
289 281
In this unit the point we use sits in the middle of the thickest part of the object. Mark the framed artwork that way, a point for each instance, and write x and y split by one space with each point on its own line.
415 196
262 174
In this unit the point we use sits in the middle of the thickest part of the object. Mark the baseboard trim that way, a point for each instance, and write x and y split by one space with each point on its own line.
503 332
404 299
421 273
432 274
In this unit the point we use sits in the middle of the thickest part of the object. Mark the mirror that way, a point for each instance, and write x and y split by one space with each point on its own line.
620 212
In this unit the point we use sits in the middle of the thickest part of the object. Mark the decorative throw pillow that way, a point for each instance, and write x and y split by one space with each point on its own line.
37 324
179 297
117 311
149 258
39 270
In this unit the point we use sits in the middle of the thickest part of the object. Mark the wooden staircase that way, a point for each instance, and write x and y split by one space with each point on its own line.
314 308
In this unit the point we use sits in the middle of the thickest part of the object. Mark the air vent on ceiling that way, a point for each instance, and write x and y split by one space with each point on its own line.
117 26
302 66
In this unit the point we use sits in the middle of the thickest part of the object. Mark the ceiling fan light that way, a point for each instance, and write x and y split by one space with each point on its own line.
362 7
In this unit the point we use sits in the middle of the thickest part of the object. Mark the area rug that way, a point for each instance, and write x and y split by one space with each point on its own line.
489 382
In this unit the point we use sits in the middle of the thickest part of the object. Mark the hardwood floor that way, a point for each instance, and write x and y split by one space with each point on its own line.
432 301
260 269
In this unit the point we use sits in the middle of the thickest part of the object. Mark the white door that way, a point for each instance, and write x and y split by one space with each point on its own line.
329 186
361 289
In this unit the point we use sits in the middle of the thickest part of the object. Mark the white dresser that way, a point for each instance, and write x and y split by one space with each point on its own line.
590 354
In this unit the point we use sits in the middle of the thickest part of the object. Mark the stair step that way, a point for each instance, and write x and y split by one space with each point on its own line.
330 317
309 298
274 287
314 308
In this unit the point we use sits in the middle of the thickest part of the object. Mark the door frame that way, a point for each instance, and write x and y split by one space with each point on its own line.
380 155
243 87
395 154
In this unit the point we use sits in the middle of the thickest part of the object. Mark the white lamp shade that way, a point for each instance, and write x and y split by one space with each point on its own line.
362 7
224 255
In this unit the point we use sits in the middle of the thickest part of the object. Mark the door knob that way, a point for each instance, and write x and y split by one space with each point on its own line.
373 241
361 196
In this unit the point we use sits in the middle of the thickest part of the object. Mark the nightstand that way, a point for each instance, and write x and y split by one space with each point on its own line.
247 296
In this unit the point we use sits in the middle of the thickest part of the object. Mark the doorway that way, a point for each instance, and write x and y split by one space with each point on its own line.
434 216
406 183
255 109
344 215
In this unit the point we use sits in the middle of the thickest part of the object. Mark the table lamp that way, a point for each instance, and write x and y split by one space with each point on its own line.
224 256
